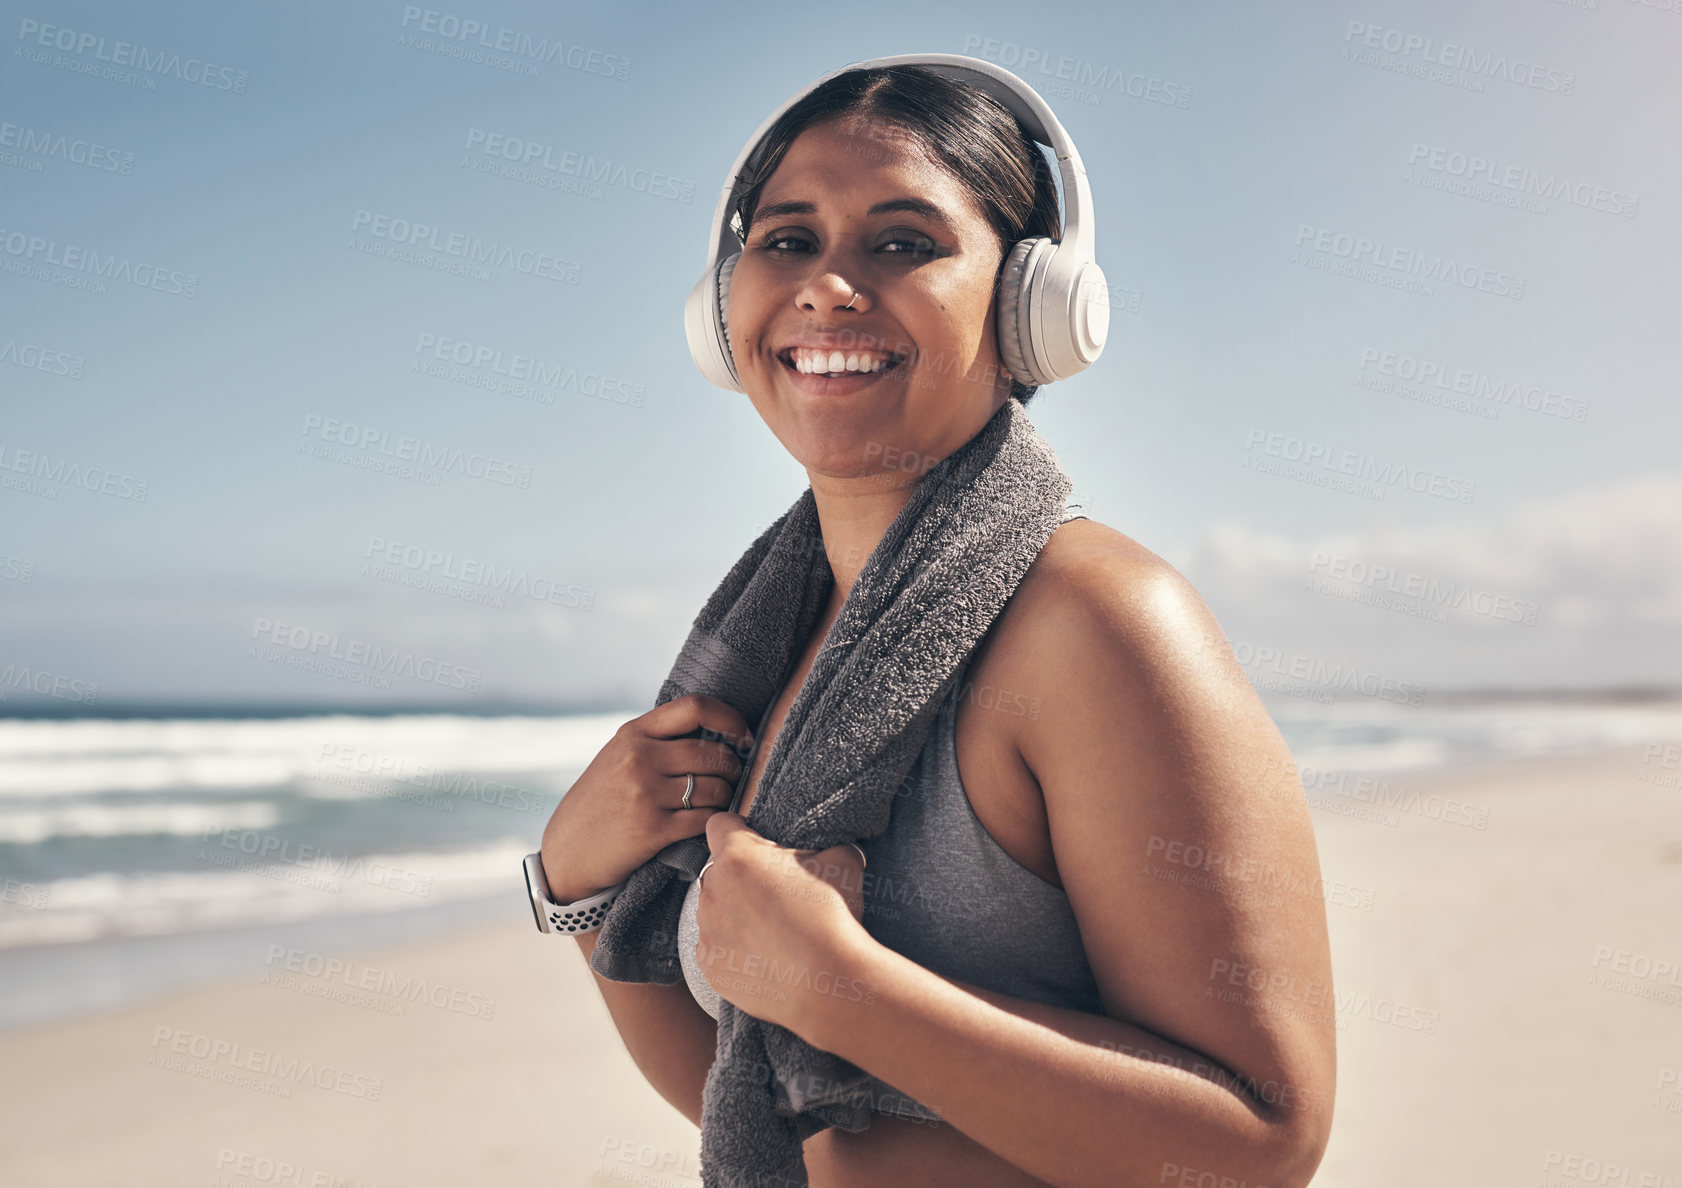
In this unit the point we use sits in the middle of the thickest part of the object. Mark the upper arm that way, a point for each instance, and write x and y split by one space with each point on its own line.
1180 830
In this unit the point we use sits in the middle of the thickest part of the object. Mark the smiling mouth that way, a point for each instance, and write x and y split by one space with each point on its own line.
865 365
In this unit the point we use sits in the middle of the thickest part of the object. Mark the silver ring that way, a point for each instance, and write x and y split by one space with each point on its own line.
851 299
863 861
688 791
703 871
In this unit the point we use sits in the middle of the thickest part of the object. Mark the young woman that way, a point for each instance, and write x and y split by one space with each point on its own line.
1150 1005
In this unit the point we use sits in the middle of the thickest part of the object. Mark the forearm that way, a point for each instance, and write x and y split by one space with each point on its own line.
1071 1097
671 1039
903 1151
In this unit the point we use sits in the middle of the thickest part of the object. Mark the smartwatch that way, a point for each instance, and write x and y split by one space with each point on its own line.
586 915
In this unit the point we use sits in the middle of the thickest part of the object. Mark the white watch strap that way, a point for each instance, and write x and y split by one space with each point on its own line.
584 915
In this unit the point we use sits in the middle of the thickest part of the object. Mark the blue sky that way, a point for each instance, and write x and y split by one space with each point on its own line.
1303 131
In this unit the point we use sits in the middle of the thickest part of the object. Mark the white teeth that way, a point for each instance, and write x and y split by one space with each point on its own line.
817 362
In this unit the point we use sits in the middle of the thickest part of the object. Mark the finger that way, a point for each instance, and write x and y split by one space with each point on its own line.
680 756
710 792
840 867
693 823
722 827
697 711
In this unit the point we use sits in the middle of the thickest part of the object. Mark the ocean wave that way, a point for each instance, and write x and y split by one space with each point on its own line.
30 826
243 892
1370 737
89 756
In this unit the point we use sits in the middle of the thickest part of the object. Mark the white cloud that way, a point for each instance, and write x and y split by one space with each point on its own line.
1600 569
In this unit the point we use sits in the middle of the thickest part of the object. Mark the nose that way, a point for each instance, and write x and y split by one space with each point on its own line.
826 289
831 293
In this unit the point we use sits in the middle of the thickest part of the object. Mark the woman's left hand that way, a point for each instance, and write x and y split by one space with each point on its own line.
776 924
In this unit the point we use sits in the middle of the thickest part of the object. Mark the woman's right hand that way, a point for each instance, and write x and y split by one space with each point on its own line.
628 804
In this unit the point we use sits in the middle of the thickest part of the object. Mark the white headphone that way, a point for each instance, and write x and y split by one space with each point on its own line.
1053 305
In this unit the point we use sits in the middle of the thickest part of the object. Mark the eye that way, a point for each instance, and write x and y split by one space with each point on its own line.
911 244
919 245
771 242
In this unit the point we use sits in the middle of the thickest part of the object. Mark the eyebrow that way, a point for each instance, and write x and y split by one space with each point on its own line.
917 206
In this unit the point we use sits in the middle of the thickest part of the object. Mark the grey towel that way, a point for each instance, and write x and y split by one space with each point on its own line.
935 583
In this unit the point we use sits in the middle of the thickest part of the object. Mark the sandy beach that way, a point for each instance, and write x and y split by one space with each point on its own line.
1508 994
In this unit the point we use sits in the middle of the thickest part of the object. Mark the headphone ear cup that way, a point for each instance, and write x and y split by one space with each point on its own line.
1014 312
704 325
727 269
1054 312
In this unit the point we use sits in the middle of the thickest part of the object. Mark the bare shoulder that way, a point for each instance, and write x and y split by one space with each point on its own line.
1096 593
1084 550
1122 658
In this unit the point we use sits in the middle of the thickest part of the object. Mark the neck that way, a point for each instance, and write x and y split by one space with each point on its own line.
854 511
853 515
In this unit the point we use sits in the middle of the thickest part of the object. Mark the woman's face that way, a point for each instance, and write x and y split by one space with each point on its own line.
856 207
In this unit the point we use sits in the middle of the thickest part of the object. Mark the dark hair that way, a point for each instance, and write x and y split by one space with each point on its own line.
975 137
